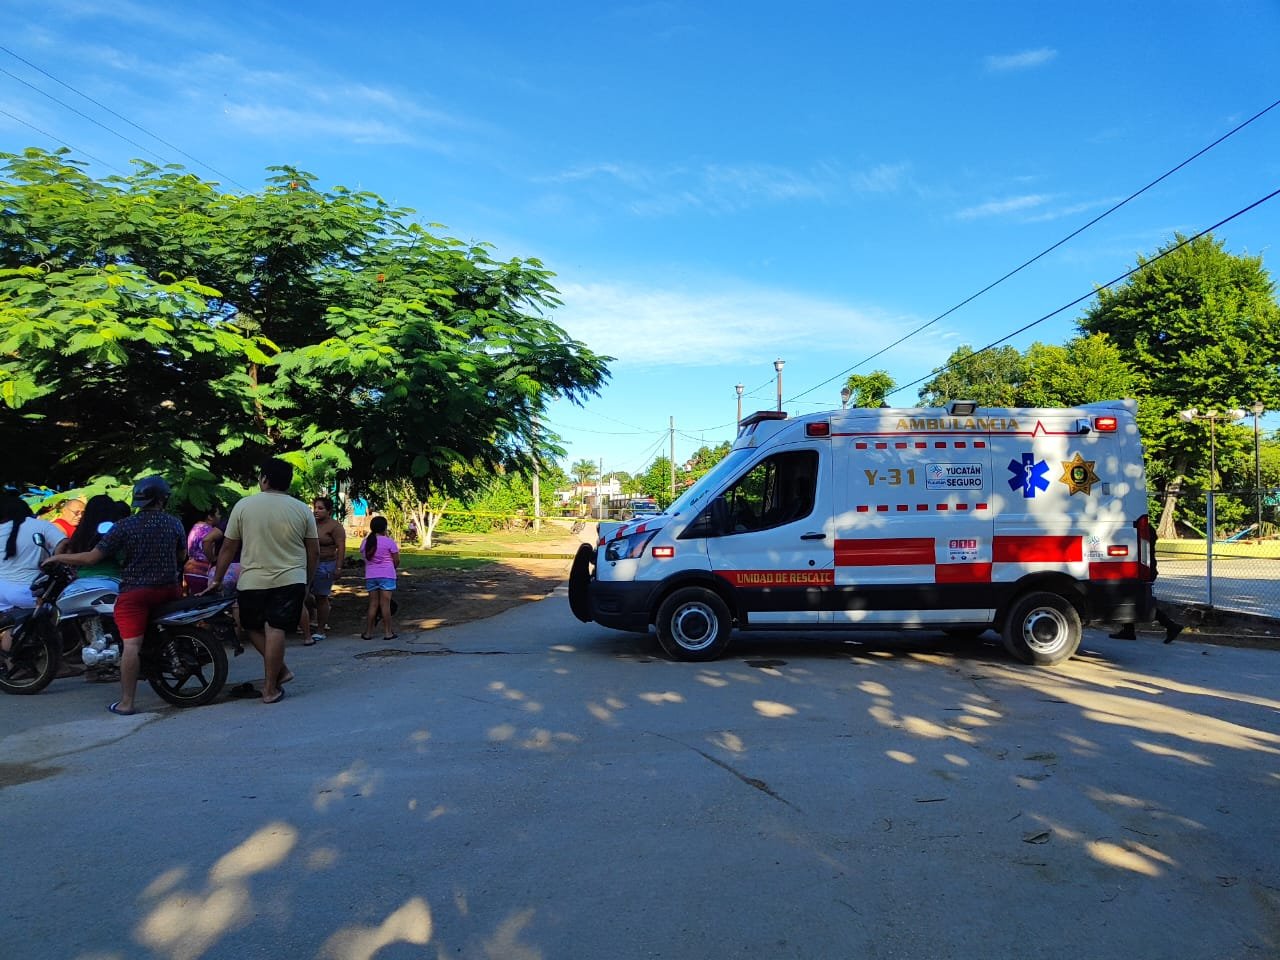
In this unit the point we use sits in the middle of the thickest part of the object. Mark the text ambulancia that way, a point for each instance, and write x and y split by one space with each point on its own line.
1029 521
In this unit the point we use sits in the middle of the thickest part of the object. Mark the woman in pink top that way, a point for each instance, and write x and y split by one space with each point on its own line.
381 557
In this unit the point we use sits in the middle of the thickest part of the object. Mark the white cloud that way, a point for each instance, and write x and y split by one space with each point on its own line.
998 208
645 327
728 188
1026 60
311 124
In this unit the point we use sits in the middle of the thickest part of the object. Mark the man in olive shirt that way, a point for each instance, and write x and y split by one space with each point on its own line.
276 535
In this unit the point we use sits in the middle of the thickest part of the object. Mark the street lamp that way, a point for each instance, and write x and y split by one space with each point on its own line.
739 388
777 365
845 394
1258 409
1229 416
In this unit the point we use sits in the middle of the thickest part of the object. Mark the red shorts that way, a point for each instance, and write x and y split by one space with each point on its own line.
133 608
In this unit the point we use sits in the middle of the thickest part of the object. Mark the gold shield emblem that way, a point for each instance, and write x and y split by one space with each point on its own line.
1078 475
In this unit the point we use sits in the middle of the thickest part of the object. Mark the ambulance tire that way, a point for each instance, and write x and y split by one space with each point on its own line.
694 624
1043 629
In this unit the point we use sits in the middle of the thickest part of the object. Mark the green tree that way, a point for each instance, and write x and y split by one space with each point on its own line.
584 472
656 481
155 322
869 389
1199 327
1085 370
991 378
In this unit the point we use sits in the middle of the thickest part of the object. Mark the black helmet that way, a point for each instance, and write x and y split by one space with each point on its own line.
150 490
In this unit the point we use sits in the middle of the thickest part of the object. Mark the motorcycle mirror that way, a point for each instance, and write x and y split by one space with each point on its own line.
104 526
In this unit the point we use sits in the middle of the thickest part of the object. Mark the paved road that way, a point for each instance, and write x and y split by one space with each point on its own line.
528 787
1239 585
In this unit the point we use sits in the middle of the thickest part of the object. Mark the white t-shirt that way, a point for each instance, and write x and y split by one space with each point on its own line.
17 572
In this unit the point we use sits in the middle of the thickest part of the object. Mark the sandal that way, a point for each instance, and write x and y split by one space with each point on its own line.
392 636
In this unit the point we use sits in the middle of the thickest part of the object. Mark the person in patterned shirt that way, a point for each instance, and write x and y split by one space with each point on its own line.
152 545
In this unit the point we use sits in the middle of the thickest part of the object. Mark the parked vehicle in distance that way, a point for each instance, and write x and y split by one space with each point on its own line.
646 507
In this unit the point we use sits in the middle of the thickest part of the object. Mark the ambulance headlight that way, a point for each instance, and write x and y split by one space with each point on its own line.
628 548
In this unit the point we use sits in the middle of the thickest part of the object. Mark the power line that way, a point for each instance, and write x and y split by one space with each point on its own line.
119 116
1090 294
45 133
81 113
1045 252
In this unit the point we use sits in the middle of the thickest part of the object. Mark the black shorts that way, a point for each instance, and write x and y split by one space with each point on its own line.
279 607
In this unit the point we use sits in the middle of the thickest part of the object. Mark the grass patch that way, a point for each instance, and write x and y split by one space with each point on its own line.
411 558
1244 550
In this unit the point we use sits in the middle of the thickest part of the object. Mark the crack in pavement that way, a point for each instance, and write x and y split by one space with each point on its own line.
749 781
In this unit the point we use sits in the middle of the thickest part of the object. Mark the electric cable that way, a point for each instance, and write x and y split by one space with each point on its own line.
120 116
81 113
1091 293
45 133
1042 253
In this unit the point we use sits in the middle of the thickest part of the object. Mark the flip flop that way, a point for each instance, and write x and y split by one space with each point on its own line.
115 708
309 642
365 636
278 697
392 636
243 691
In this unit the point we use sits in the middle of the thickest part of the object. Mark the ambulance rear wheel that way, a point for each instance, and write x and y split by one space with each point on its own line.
1042 629
694 624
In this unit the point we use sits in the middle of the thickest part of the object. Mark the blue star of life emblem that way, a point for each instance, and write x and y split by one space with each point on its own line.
1029 475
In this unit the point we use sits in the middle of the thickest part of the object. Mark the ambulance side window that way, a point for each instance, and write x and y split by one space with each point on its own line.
775 491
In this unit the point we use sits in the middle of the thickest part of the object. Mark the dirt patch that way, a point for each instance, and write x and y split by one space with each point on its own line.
1224 628
436 598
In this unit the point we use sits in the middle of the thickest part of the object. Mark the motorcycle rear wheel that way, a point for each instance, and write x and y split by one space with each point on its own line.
188 668
32 662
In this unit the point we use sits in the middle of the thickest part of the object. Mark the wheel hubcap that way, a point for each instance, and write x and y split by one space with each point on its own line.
694 626
1044 630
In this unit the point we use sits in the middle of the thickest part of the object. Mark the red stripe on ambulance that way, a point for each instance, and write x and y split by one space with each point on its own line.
1036 549
895 552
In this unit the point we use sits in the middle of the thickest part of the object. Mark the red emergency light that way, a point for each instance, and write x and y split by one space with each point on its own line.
1105 424
664 553
822 429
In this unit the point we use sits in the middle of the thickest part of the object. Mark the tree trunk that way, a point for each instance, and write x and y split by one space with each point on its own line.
1167 528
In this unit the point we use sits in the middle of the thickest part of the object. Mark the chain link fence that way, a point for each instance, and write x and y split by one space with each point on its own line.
1237 569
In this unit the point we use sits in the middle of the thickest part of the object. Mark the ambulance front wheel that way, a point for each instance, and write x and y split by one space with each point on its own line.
1042 629
694 624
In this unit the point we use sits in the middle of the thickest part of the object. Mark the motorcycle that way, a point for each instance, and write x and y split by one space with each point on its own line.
182 656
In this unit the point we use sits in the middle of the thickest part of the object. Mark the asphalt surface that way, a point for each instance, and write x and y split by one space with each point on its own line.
530 787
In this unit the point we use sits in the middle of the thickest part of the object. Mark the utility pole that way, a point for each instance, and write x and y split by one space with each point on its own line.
673 458
537 487
599 493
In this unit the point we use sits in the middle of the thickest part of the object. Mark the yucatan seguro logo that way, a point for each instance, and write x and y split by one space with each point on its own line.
953 476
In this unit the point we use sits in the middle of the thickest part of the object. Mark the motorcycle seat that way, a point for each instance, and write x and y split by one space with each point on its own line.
186 603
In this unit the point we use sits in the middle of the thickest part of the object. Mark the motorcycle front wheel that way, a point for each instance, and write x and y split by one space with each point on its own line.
31 662
187 667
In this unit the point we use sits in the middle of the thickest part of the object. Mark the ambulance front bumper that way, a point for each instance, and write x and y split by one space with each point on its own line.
622 605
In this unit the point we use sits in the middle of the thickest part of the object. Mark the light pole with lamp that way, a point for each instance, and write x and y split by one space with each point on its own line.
1258 409
845 394
777 365
739 388
1191 415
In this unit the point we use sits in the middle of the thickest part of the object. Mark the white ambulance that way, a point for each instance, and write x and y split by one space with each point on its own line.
1029 521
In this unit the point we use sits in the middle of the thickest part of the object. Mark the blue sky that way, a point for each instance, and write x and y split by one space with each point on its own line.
715 184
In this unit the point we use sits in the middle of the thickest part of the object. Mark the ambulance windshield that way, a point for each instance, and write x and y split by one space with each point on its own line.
713 479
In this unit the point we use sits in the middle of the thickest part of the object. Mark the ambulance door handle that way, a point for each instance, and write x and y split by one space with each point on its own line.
813 536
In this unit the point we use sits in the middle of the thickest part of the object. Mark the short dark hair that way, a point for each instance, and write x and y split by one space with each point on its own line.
278 474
